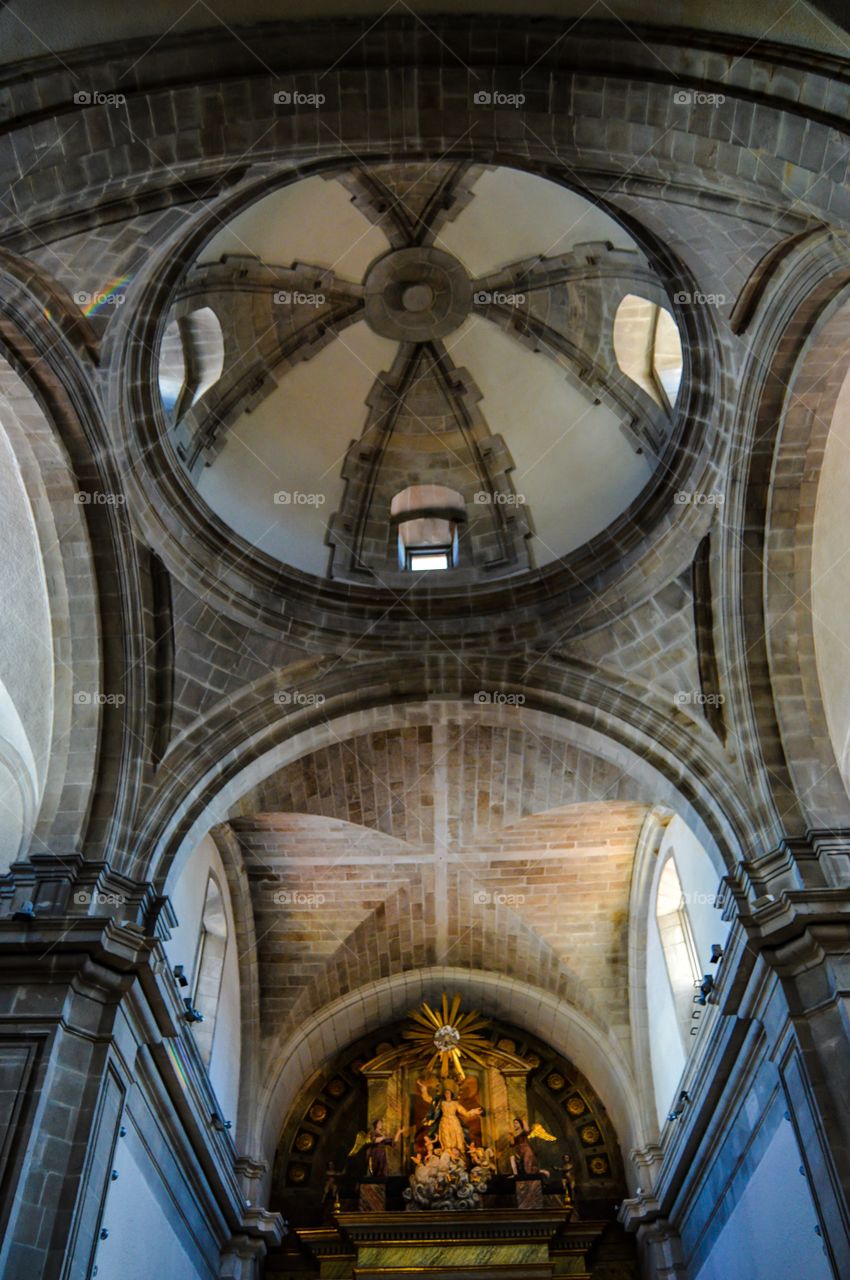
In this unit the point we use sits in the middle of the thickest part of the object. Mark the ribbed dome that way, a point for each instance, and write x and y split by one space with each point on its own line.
480 329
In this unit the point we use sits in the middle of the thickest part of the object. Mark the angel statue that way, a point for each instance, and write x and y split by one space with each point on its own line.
427 1153
524 1162
450 1130
377 1142
482 1157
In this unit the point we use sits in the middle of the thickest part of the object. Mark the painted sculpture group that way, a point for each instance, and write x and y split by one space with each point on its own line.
429 1122
451 1170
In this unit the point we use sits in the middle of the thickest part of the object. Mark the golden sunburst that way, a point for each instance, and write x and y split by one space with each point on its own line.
449 1038
445 1036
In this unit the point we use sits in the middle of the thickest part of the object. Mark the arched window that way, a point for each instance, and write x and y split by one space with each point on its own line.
18 782
209 967
648 348
172 369
427 517
677 943
191 360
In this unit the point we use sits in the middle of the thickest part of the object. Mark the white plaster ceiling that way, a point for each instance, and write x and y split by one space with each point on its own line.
295 442
308 221
517 215
574 466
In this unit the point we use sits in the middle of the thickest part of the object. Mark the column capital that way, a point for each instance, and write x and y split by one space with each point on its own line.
660 1247
818 860
647 1160
639 1211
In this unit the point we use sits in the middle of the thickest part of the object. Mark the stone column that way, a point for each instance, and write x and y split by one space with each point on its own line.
517 1096
57 1011
377 1084
395 1118
91 1033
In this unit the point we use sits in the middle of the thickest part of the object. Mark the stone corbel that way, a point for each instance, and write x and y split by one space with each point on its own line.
659 1242
264 1225
832 850
819 860
784 893
43 879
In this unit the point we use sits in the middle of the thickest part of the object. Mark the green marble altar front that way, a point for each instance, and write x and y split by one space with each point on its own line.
393 1261
498 1244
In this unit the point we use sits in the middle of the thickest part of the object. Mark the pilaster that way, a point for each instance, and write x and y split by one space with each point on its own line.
94 1046
776 1037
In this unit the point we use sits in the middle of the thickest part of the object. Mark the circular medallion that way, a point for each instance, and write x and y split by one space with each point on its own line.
417 294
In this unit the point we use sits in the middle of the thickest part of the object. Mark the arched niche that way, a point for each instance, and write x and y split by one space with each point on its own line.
51 416
26 648
366 1009
324 1118
798 336
206 942
648 348
191 359
807 622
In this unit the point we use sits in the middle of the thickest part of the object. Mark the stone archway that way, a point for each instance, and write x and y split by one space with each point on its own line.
60 799
245 741
791 627
799 384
